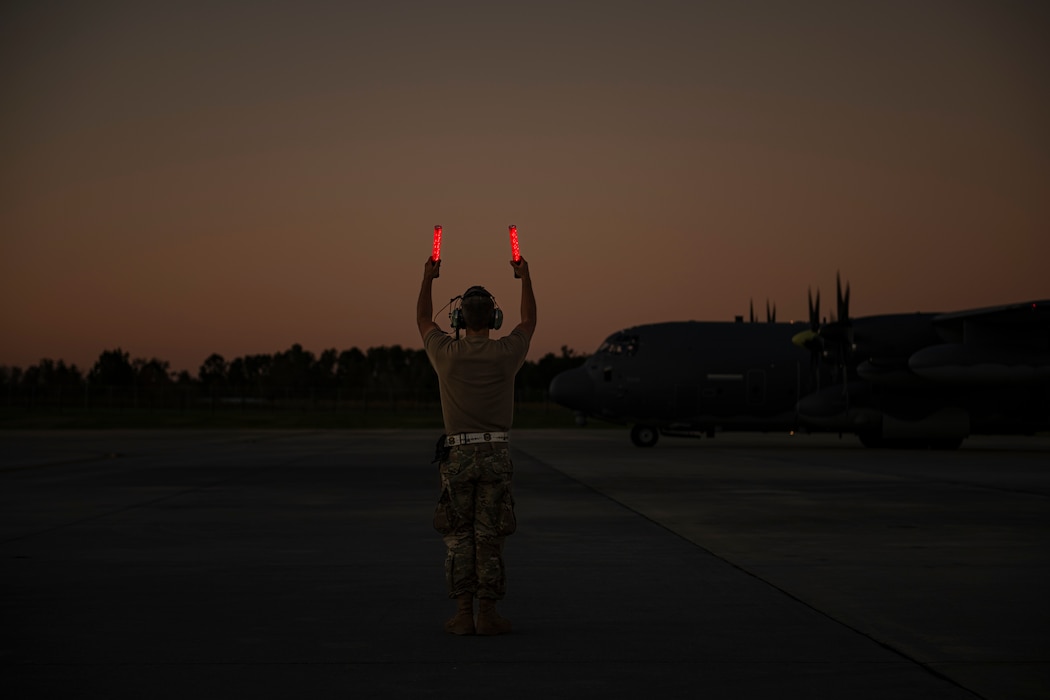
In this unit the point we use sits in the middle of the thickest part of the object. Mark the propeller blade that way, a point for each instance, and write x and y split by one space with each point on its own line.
841 299
814 310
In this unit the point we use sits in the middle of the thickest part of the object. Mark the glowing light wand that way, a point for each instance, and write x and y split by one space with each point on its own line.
436 255
515 249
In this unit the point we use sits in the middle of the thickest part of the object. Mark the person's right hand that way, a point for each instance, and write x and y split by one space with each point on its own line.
432 269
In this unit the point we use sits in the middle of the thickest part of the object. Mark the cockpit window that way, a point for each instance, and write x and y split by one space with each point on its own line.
621 344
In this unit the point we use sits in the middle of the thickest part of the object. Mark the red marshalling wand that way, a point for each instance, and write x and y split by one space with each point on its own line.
515 249
436 255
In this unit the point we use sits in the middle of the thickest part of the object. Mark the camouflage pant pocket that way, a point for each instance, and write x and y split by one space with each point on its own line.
443 514
508 522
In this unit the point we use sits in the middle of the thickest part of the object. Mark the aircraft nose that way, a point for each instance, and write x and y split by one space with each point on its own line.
573 389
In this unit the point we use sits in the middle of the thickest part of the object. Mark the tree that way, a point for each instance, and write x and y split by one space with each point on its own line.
352 369
214 372
291 369
323 370
534 378
113 368
390 371
387 368
237 373
251 372
68 376
152 373
10 376
421 375
52 377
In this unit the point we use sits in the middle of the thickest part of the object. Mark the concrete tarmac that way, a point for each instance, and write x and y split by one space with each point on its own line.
303 564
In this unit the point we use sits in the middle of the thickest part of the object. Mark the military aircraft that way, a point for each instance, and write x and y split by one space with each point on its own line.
897 380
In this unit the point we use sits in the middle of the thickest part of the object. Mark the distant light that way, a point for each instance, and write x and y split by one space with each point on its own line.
437 244
515 250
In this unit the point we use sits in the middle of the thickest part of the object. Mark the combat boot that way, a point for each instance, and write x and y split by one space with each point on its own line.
463 621
489 621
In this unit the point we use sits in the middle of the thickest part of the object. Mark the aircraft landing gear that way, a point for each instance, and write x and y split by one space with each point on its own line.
644 435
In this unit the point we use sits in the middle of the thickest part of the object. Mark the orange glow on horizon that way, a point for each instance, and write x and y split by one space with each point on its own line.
667 180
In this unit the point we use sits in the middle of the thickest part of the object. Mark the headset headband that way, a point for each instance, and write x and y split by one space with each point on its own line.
478 291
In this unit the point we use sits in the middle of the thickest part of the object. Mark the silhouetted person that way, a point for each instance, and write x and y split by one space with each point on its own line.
475 512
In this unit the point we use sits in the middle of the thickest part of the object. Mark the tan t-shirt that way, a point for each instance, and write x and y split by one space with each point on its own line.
476 377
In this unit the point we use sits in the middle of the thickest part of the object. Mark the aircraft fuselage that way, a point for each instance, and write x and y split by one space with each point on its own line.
693 376
900 379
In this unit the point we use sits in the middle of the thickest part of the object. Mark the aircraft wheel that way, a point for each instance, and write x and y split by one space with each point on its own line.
644 435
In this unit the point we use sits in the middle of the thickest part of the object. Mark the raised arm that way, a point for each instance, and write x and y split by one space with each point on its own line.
425 305
528 299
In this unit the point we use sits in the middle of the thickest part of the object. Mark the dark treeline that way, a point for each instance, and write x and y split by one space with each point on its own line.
388 375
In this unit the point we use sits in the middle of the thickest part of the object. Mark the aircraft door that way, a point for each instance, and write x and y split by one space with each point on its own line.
756 387
686 401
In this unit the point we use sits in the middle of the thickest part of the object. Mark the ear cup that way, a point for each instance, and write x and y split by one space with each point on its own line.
456 315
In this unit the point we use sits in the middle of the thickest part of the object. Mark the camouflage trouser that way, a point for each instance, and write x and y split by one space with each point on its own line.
474 514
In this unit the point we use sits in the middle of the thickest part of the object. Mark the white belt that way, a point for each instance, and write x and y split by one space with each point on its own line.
471 438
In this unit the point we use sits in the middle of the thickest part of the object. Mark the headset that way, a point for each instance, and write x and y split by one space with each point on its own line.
455 316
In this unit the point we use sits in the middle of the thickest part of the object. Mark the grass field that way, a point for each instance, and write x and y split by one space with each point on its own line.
526 415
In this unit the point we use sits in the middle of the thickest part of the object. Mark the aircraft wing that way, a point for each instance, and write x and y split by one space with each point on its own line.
1021 313
996 345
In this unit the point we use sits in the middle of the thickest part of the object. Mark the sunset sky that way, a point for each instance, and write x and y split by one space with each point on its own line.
183 178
